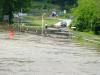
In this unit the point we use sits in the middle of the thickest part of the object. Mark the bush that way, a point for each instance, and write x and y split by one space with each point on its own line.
97 30
86 15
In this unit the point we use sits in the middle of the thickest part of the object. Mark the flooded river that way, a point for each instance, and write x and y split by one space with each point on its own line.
29 54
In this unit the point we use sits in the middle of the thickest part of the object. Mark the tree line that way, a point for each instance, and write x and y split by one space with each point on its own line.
64 4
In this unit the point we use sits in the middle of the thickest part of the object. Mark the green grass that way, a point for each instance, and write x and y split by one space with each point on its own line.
37 21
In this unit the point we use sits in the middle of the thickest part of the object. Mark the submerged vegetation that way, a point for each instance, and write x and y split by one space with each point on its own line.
87 39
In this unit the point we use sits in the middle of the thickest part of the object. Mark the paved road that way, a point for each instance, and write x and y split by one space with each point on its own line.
29 54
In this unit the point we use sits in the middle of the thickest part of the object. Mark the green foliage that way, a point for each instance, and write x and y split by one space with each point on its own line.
8 7
1 6
42 5
63 4
21 5
87 15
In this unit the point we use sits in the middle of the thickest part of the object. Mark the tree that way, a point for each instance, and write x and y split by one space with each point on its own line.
1 6
11 6
8 9
86 15
65 4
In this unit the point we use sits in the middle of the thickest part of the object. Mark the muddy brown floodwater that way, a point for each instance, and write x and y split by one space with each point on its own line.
29 54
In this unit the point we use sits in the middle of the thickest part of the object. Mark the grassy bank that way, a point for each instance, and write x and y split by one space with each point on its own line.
37 21
87 39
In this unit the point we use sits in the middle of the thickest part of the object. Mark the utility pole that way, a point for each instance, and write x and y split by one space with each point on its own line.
42 27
